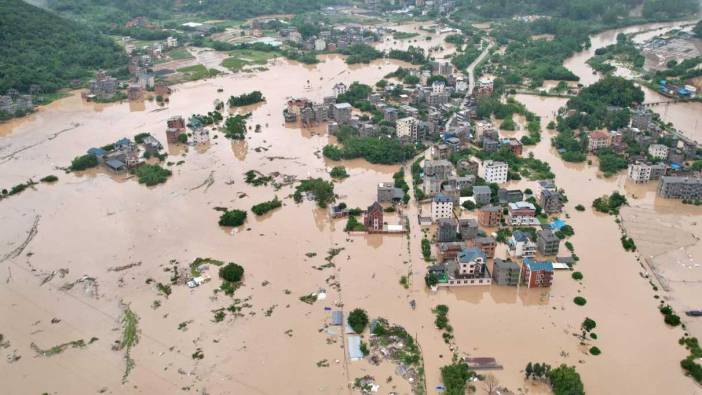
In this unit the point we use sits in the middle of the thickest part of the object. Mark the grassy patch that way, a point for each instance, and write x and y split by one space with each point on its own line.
180 53
240 58
197 72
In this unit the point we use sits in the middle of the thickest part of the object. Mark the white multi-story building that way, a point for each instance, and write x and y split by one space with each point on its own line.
339 89
441 207
320 44
481 127
407 128
494 172
438 87
461 85
641 172
171 42
658 151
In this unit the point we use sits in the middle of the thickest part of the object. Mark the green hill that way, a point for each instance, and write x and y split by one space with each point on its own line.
41 48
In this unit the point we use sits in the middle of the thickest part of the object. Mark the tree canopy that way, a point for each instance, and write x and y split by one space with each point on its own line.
40 48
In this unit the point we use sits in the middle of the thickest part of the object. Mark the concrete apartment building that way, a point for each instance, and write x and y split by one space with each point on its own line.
597 140
521 213
342 113
407 128
446 231
494 172
520 245
537 274
482 194
547 243
388 193
550 201
642 172
468 228
489 216
505 272
658 151
441 207
686 188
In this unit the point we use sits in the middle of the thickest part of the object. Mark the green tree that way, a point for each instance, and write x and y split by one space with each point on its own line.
232 218
358 319
565 380
84 162
455 376
231 272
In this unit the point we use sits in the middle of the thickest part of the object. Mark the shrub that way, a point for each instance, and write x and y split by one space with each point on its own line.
469 205
431 279
577 276
84 162
232 218
49 179
231 272
262 208
580 207
338 172
595 351
182 138
358 319
152 174
580 301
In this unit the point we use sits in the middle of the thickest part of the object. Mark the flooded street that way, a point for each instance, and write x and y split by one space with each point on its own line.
90 223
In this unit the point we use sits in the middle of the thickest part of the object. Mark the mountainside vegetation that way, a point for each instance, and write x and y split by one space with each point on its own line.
120 11
40 48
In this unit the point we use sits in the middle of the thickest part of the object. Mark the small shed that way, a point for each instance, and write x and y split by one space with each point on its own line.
115 165
337 318
354 346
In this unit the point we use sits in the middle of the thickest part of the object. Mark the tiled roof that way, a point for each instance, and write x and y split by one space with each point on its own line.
537 266
470 254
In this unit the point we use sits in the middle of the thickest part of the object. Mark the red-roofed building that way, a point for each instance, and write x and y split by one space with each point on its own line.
597 140
374 218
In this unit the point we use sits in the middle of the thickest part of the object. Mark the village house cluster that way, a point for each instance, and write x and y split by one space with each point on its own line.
665 155
126 154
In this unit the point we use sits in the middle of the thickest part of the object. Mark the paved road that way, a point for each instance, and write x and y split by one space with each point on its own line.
471 79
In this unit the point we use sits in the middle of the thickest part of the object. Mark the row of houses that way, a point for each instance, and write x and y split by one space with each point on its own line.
470 268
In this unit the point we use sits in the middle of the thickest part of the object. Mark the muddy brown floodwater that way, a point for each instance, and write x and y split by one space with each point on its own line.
90 222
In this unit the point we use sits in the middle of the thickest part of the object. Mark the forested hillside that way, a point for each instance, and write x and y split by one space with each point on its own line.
41 48
120 11
582 9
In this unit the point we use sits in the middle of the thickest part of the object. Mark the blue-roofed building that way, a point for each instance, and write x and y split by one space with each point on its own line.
123 142
98 152
557 224
469 268
115 165
537 274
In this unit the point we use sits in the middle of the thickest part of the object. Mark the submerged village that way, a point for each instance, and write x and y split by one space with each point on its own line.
392 197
